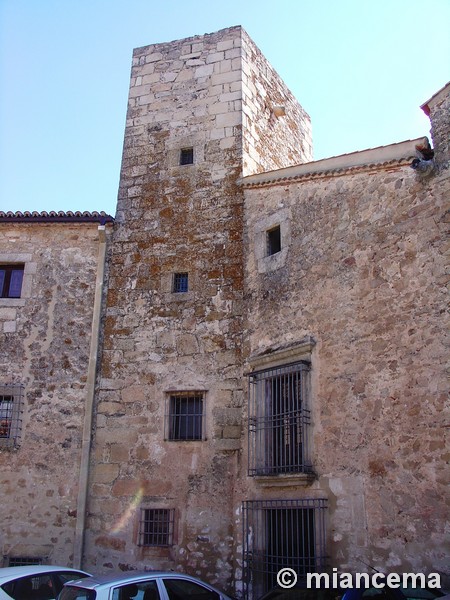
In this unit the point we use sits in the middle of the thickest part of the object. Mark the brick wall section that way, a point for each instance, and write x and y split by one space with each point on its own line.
363 274
44 345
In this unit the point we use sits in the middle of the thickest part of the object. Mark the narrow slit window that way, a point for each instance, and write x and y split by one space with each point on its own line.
187 156
180 283
273 241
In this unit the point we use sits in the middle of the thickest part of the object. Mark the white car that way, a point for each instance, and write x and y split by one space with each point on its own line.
35 582
149 585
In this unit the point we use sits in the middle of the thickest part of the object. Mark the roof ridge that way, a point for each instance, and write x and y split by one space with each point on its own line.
56 216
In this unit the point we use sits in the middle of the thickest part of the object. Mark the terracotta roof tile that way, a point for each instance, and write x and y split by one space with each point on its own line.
55 217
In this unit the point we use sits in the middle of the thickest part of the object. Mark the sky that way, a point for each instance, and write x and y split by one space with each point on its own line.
360 68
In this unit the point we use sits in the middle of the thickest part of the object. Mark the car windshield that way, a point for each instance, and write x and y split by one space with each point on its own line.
72 592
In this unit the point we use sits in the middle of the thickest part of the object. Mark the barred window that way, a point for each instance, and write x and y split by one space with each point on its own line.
20 561
185 416
11 277
156 527
180 283
282 534
187 156
279 420
11 400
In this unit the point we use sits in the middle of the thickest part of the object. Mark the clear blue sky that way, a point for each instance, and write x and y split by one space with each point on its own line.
360 68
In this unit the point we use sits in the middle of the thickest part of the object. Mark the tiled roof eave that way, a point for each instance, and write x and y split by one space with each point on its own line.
55 217
271 181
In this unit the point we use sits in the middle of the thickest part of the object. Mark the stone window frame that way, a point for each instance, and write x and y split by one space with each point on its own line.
11 420
164 530
29 270
176 145
169 415
272 262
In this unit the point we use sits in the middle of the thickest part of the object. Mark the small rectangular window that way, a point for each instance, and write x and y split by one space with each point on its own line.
187 156
180 283
11 277
185 416
11 398
156 527
273 240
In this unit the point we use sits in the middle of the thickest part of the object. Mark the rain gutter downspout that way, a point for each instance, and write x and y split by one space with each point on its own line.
89 406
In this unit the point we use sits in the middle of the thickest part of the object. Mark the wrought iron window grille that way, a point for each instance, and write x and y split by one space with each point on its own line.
22 561
279 420
180 283
185 416
156 527
11 408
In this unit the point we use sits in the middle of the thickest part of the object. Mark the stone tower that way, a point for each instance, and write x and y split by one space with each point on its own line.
202 113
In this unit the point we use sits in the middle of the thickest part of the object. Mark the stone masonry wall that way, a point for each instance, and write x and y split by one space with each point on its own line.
171 219
440 121
44 345
265 132
362 274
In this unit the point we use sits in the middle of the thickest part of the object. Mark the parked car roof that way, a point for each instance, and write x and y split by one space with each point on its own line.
100 585
22 571
107 578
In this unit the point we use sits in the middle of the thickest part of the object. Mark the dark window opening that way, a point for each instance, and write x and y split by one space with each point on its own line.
156 527
185 417
279 420
187 156
11 277
273 241
280 534
180 283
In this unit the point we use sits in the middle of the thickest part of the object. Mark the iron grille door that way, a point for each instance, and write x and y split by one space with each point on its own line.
279 534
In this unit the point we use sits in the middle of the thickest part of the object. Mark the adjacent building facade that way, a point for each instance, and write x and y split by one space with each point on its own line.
251 360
